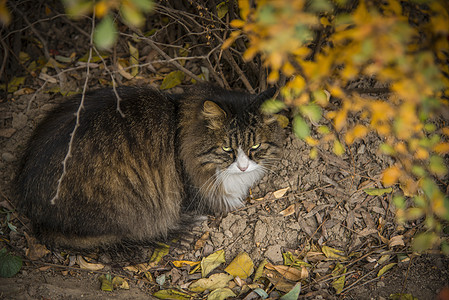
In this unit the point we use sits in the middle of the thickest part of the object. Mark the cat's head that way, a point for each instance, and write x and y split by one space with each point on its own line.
231 143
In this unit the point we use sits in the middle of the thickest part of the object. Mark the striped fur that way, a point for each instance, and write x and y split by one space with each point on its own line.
141 178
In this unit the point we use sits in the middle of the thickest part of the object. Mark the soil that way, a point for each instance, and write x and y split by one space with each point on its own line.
325 200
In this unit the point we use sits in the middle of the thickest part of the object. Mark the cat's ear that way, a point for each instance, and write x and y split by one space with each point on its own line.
262 97
214 114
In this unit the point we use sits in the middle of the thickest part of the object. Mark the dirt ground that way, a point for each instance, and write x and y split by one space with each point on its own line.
324 205
329 209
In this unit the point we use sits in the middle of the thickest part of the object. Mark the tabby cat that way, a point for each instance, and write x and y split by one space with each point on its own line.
142 176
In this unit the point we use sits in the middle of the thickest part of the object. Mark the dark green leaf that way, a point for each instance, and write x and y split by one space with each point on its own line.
9 264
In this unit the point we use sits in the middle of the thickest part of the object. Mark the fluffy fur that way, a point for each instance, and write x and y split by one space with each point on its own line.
141 177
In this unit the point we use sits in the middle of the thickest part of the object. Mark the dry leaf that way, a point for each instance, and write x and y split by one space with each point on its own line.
89 266
202 241
35 250
333 253
119 282
280 193
290 273
385 269
396 241
259 270
215 281
221 293
288 211
242 266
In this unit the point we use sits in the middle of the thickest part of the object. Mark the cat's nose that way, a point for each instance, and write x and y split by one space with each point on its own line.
243 168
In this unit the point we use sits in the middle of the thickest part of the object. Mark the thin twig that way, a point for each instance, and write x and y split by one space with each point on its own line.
78 116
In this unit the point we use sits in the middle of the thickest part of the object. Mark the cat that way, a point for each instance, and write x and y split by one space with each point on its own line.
145 175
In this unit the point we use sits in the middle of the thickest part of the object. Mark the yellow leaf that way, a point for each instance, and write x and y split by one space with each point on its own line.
221 293
214 282
339 149
311 141
212 261
441 148
385 269
158 254
339 272
325 22
244 8
421 153
332 253
180 263
391 175
242 266
340 119
259 271
133 59
119 282
233 36
101 9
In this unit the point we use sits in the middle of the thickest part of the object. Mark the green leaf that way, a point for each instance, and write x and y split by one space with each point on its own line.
261 293
222 9
242 266
272 106
131 15
172 294
106 283
300 127
312 111
172 79
9 264
385 269
144 5
212 261
424 241
399 201
339 283
259 271
221 293
294 293
402 296
105 33
378 192
437 166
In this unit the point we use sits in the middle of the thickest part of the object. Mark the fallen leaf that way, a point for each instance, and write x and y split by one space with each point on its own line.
106 283
242 266
396 241
214 282
288 211
212 261
290 273
259 271
158 254
378 192
293 294
35 250
221 293
133 59
120 283
279 282
172 79
89 266
180 263
333 253
402 296
385 269
172 294
339 283
10 264
202 241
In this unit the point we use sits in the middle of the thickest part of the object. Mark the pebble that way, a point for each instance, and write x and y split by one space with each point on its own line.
19 120
274 253
8 157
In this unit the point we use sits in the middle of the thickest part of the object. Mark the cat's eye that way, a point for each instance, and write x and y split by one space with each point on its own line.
254 147
226 149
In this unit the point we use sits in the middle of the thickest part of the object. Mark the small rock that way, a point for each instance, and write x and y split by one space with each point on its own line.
6 156
274 253
19 120
7 132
